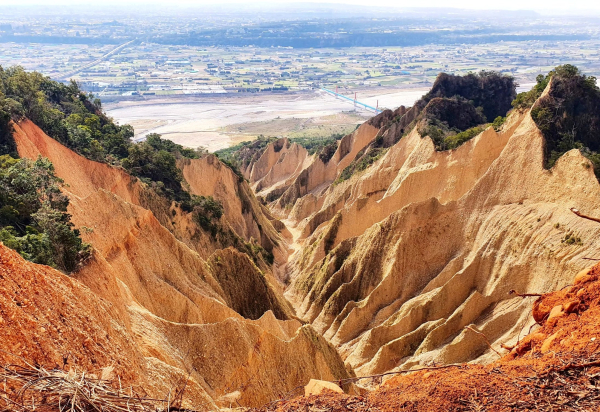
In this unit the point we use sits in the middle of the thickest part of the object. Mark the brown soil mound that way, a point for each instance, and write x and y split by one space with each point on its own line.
52 320
556 367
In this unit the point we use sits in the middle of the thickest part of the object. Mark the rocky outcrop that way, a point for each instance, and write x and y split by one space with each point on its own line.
318 176
491 91
277 167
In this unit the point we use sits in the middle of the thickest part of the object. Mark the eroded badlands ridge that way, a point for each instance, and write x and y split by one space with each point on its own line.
168 298
555 368
368 258
393 263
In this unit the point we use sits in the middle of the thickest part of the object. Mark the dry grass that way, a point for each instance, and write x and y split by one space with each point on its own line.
28 389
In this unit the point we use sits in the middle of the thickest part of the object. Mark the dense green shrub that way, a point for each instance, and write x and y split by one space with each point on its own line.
33 214
155 162
436 130
569 115
242 154
156 167
456 112
362 161
76 119
316 144
491 91
206 212
256 251
65 113
7 108
458 107
454 141
157 143
498 122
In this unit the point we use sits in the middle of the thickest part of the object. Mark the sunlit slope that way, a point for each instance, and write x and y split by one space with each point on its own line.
182 313
392 264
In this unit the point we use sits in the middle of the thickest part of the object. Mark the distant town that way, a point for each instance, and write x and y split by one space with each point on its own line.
152 69
216 76
119 55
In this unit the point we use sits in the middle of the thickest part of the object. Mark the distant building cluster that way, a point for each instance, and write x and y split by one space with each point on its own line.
128 55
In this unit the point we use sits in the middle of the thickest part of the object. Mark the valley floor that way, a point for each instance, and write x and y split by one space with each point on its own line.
217 122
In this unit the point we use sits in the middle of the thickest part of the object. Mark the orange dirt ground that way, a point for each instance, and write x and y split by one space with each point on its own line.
554 368
49 319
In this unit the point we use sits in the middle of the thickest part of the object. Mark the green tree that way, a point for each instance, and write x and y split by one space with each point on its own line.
159 166
33 214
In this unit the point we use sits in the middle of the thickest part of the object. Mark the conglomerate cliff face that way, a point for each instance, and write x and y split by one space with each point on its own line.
393 263
165 299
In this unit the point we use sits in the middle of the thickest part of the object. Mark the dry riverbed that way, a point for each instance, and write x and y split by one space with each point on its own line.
217 122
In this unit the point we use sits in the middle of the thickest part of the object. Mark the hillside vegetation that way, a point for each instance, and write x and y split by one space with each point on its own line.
39 227
75 119
245 153
33 214
569 115
457 107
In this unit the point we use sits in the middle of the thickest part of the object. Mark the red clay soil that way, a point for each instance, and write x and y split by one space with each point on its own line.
51 320
555 368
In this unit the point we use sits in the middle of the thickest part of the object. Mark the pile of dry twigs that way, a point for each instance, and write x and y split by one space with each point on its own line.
574 386
27 389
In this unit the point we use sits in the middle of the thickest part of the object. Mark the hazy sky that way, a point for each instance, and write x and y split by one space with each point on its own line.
538 5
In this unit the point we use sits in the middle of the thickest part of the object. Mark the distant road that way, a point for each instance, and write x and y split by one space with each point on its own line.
114 51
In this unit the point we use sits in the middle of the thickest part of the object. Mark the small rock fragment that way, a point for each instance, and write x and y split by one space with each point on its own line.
571 306
582 276
315 387
556 312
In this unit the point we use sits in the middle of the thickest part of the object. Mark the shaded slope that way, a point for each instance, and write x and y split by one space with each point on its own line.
245 288
178 313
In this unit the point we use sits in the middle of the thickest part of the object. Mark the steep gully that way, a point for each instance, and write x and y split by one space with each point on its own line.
392 264
163 298
380 272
